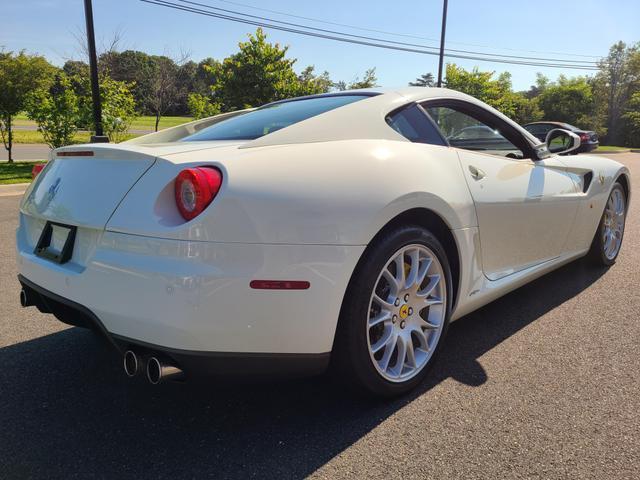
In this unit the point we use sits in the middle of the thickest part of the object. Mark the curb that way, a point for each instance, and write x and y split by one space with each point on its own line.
13 189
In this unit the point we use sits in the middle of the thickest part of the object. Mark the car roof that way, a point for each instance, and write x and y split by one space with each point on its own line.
365 119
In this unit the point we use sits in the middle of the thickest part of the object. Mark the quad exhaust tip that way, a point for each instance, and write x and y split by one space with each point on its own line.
159 372
131 363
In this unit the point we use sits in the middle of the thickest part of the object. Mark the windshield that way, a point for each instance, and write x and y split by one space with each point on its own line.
268 119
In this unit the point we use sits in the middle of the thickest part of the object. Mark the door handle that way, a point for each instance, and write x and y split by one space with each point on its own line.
476 173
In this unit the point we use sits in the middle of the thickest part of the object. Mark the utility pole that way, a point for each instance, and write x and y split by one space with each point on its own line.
442 32
99 137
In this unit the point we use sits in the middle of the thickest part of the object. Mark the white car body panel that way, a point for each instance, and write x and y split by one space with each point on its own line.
521 202
301 203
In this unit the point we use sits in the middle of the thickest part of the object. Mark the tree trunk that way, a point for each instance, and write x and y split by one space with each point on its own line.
10 137
157 120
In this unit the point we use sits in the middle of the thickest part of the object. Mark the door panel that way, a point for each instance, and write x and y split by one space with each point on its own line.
525 209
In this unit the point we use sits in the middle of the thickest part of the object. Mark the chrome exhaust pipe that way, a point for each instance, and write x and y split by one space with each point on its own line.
25 301
131 363
159 371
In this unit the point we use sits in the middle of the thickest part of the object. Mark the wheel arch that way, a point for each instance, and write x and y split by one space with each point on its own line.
422 217
426 218
623 179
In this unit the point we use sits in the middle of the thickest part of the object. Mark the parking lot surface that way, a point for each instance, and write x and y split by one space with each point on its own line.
543 383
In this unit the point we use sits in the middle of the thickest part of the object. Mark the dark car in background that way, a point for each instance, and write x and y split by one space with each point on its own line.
588 139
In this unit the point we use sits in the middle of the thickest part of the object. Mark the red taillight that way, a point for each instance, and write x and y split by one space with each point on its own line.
585 137
195 188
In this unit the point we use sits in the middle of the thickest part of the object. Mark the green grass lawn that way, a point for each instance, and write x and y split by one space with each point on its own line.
611 148
145 122
33 136
17 172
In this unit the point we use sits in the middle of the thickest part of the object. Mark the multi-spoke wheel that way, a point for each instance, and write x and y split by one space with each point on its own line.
608 239
406 313
395 312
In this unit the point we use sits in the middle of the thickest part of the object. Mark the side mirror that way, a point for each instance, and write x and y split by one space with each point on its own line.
562 141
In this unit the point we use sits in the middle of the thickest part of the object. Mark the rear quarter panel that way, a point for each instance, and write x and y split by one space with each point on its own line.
332 193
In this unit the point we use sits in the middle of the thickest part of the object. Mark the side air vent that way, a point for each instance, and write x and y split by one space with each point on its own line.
586 181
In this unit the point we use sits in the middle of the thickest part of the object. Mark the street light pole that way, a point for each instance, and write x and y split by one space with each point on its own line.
442 32
99 137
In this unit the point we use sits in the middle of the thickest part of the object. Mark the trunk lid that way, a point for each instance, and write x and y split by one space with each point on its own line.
84 189
84 184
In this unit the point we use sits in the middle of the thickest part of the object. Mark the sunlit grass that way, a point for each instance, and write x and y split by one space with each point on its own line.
144 122
17 172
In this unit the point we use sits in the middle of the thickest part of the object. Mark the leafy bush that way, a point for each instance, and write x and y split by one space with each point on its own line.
118 107
201 107
55 110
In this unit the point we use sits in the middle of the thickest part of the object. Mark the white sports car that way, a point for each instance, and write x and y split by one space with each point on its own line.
345 229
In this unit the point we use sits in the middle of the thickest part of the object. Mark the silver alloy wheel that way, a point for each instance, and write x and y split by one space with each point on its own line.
407 312
614 217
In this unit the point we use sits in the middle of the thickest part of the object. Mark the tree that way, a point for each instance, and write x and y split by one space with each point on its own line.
201 107
164 89
475 83
525 110
482 85
205 76
542 83
615 84
55 110
118 107
569 101
311 84
424 80
20 75
75 68
631 120
134 68
368 80
259 73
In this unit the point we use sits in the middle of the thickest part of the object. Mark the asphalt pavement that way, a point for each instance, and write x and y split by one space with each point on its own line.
543 383
26 151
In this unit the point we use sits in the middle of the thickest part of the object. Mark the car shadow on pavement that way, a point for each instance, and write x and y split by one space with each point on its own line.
67 409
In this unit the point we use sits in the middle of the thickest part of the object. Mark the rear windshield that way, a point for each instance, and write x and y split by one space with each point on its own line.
268 119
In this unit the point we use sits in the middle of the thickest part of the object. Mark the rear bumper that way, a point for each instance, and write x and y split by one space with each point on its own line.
587 147
181 296
194 363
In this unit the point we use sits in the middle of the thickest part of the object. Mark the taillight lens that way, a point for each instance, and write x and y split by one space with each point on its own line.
585 137
195 188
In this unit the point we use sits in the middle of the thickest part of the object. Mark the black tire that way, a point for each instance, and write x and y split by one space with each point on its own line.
596 254
350 358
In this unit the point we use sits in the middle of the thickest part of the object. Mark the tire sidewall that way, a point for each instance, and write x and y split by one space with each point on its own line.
355 310
597 247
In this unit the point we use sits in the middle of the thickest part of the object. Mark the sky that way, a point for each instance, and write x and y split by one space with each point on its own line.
540 28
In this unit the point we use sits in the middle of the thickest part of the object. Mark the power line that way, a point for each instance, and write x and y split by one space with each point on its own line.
406 35
375 43
404 44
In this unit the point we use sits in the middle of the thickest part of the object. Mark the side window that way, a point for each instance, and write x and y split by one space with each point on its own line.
465 131
413 124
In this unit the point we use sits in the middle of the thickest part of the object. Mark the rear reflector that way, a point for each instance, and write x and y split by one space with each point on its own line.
75 153
279 284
